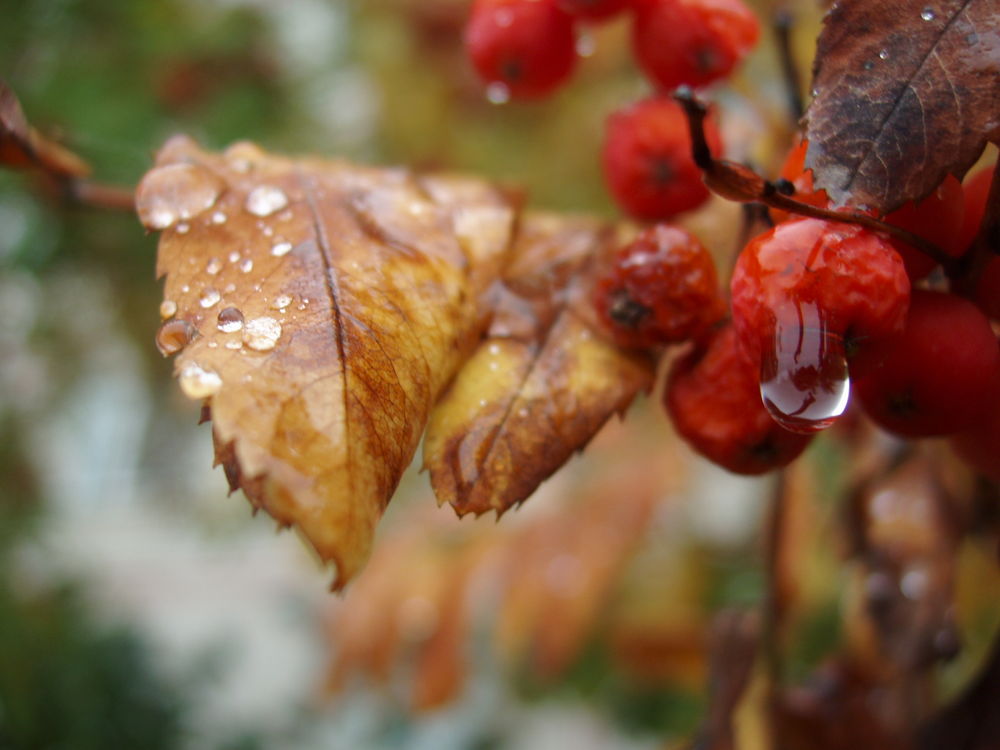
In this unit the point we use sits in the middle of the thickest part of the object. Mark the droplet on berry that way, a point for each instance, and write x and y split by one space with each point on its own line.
803 374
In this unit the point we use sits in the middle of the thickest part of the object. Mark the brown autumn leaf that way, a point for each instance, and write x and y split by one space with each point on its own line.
541 383
906 91
318 308
22 146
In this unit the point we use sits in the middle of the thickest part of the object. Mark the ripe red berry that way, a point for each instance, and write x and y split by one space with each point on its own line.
526 46
938 375
661 288
975 190
937 218
848 272
979 446
647 160
807 296
594 10
713 398
692 42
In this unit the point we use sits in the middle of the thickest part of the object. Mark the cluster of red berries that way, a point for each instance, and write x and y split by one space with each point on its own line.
527 49
820 309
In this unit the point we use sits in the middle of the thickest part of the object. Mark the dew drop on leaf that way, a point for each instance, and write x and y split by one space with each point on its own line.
174 192
168 309
264 200
173 336
261 334
230 320
197 382
281 248
209 298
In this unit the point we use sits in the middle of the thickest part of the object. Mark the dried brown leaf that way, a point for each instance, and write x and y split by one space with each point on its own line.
541 383
906 91
320 308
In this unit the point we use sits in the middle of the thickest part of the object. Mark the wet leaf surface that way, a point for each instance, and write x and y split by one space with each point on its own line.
543 380
905 92
319 308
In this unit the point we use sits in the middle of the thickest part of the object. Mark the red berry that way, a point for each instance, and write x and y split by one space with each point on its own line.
937 218
661 288
647 160
692 42
975 190
979 446
594 10
527 46
713 398
938 375
852 275
987 290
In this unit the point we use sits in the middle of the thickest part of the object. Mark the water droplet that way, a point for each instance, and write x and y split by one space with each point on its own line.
261 334
868 65
230 319
168 309
183 228
197 382
281 301
209 298
264 200
213 266
281 248
173 336
498 93
928 14
218 218
234 344
586 45
884 54
246 265
174 192
803 374
234 256
230 288
185 289
266 230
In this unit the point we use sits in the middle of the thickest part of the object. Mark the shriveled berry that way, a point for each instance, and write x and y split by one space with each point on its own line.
692 42
647 160
713 398
661 288
594 10
850 274
939 374
526 46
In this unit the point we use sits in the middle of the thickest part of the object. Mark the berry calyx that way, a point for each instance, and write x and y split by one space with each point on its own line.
939 374
691 42
660 288
714 402
527 47
594 10
647 160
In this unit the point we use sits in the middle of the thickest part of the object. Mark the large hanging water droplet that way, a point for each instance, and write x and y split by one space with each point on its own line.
174 192
264 200
173 336
803 373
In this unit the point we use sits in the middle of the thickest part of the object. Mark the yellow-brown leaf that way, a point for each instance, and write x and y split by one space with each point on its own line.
319 308
541 383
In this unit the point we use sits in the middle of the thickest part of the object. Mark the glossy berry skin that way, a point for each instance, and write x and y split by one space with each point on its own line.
851 275
661 288
647 160
938 375
691 42
527 46
594 10
937 218
713 399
